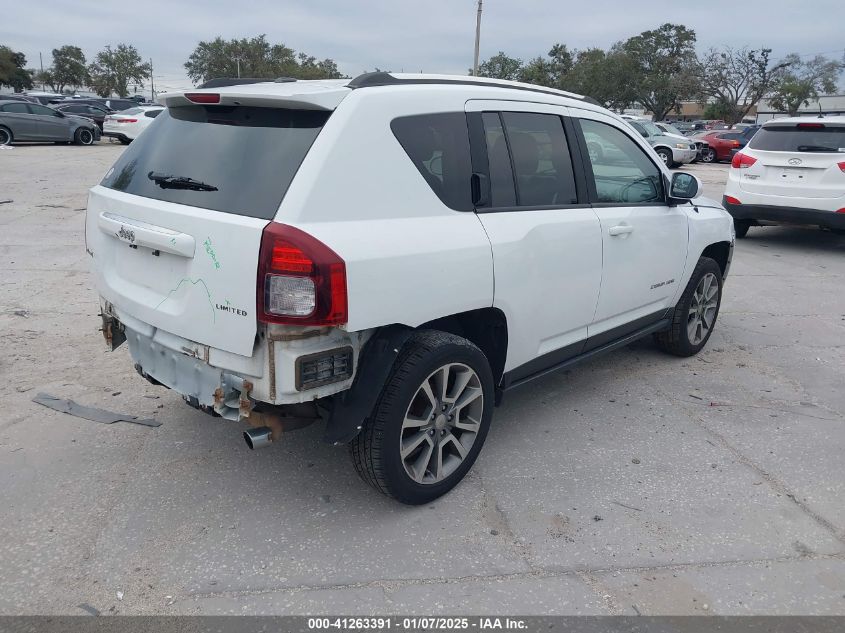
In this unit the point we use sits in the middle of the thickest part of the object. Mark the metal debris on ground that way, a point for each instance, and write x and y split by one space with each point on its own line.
90 413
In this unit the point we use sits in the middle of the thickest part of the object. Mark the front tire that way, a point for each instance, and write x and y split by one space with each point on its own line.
83 136
694 317
430 420
709 156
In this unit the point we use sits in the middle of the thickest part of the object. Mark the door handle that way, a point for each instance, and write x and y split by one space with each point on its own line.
621 229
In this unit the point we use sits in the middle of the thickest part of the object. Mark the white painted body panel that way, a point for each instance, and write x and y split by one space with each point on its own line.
211 264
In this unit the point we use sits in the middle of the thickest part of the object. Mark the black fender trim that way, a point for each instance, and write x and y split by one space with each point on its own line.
350 408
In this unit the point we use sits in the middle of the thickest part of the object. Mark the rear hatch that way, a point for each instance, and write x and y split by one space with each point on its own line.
175 226
797 160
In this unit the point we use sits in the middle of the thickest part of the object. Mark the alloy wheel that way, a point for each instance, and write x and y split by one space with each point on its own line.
702 310
86 137
4 137
441 423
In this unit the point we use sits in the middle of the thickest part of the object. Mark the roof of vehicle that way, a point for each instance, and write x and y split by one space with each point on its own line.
837 120
326 94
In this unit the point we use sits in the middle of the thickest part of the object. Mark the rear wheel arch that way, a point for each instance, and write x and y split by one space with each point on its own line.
486 328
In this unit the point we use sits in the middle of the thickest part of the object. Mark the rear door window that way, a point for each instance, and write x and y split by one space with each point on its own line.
438 145
540 157
240 159
806 137
502 189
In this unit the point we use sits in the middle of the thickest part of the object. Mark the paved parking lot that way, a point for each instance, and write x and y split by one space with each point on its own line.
637 483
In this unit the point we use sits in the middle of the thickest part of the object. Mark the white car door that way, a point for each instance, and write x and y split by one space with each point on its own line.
644 239
546 238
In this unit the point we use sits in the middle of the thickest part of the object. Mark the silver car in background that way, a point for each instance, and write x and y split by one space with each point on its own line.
23 121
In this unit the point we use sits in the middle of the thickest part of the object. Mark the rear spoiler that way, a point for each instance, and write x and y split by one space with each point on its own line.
326 98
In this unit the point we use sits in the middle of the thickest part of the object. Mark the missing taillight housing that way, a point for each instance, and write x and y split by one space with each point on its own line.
301 281
742 161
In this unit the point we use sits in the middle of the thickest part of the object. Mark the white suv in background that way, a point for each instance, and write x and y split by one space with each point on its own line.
126 125
392 254
792 171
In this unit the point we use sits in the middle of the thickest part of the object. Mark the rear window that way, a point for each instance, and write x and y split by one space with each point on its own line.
250 155
789 138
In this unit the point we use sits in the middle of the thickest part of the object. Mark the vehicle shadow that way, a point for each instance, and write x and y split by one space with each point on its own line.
794 238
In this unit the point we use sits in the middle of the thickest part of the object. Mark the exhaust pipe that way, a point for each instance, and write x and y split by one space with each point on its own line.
258 437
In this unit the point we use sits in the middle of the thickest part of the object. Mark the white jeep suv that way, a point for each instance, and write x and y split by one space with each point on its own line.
793 171
390 255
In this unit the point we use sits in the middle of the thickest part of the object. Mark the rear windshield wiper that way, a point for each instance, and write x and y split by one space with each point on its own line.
166 181
817 148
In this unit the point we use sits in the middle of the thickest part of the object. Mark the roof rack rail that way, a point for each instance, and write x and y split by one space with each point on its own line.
380 78
222 82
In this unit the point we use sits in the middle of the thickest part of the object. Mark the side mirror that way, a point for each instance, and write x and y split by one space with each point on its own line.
643 133
684 187
59 114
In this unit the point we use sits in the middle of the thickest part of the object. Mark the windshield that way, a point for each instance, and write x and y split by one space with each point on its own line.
806 137
671 129
651 128
234 159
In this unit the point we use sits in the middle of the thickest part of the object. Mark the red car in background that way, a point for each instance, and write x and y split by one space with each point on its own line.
722 142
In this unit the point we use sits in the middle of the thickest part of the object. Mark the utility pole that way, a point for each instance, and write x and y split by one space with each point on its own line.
152 83
41 63
477 40
238 59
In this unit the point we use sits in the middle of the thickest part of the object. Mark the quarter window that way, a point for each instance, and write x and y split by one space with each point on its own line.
438 145
622 173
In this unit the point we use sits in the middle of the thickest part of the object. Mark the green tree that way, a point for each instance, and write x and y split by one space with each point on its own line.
738 78
604 76
255 57
69 69
663 65
500 66
549 71
13 72
802 82
114 69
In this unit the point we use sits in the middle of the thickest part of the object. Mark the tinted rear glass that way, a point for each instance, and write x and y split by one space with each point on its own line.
799 139
249 154
438 145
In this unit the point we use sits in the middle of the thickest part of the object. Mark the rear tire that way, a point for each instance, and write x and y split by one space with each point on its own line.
709 156
6 137
421 438
83 136
694 317
124 141
741 227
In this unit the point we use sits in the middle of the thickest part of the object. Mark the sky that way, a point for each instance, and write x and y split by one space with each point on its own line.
428 36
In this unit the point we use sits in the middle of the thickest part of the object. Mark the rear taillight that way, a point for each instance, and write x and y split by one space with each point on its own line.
842 210
126 120
732 200
301 281
842 167
202 97
742 161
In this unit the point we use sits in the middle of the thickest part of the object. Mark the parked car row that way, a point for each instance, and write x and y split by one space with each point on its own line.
82 121
26 121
